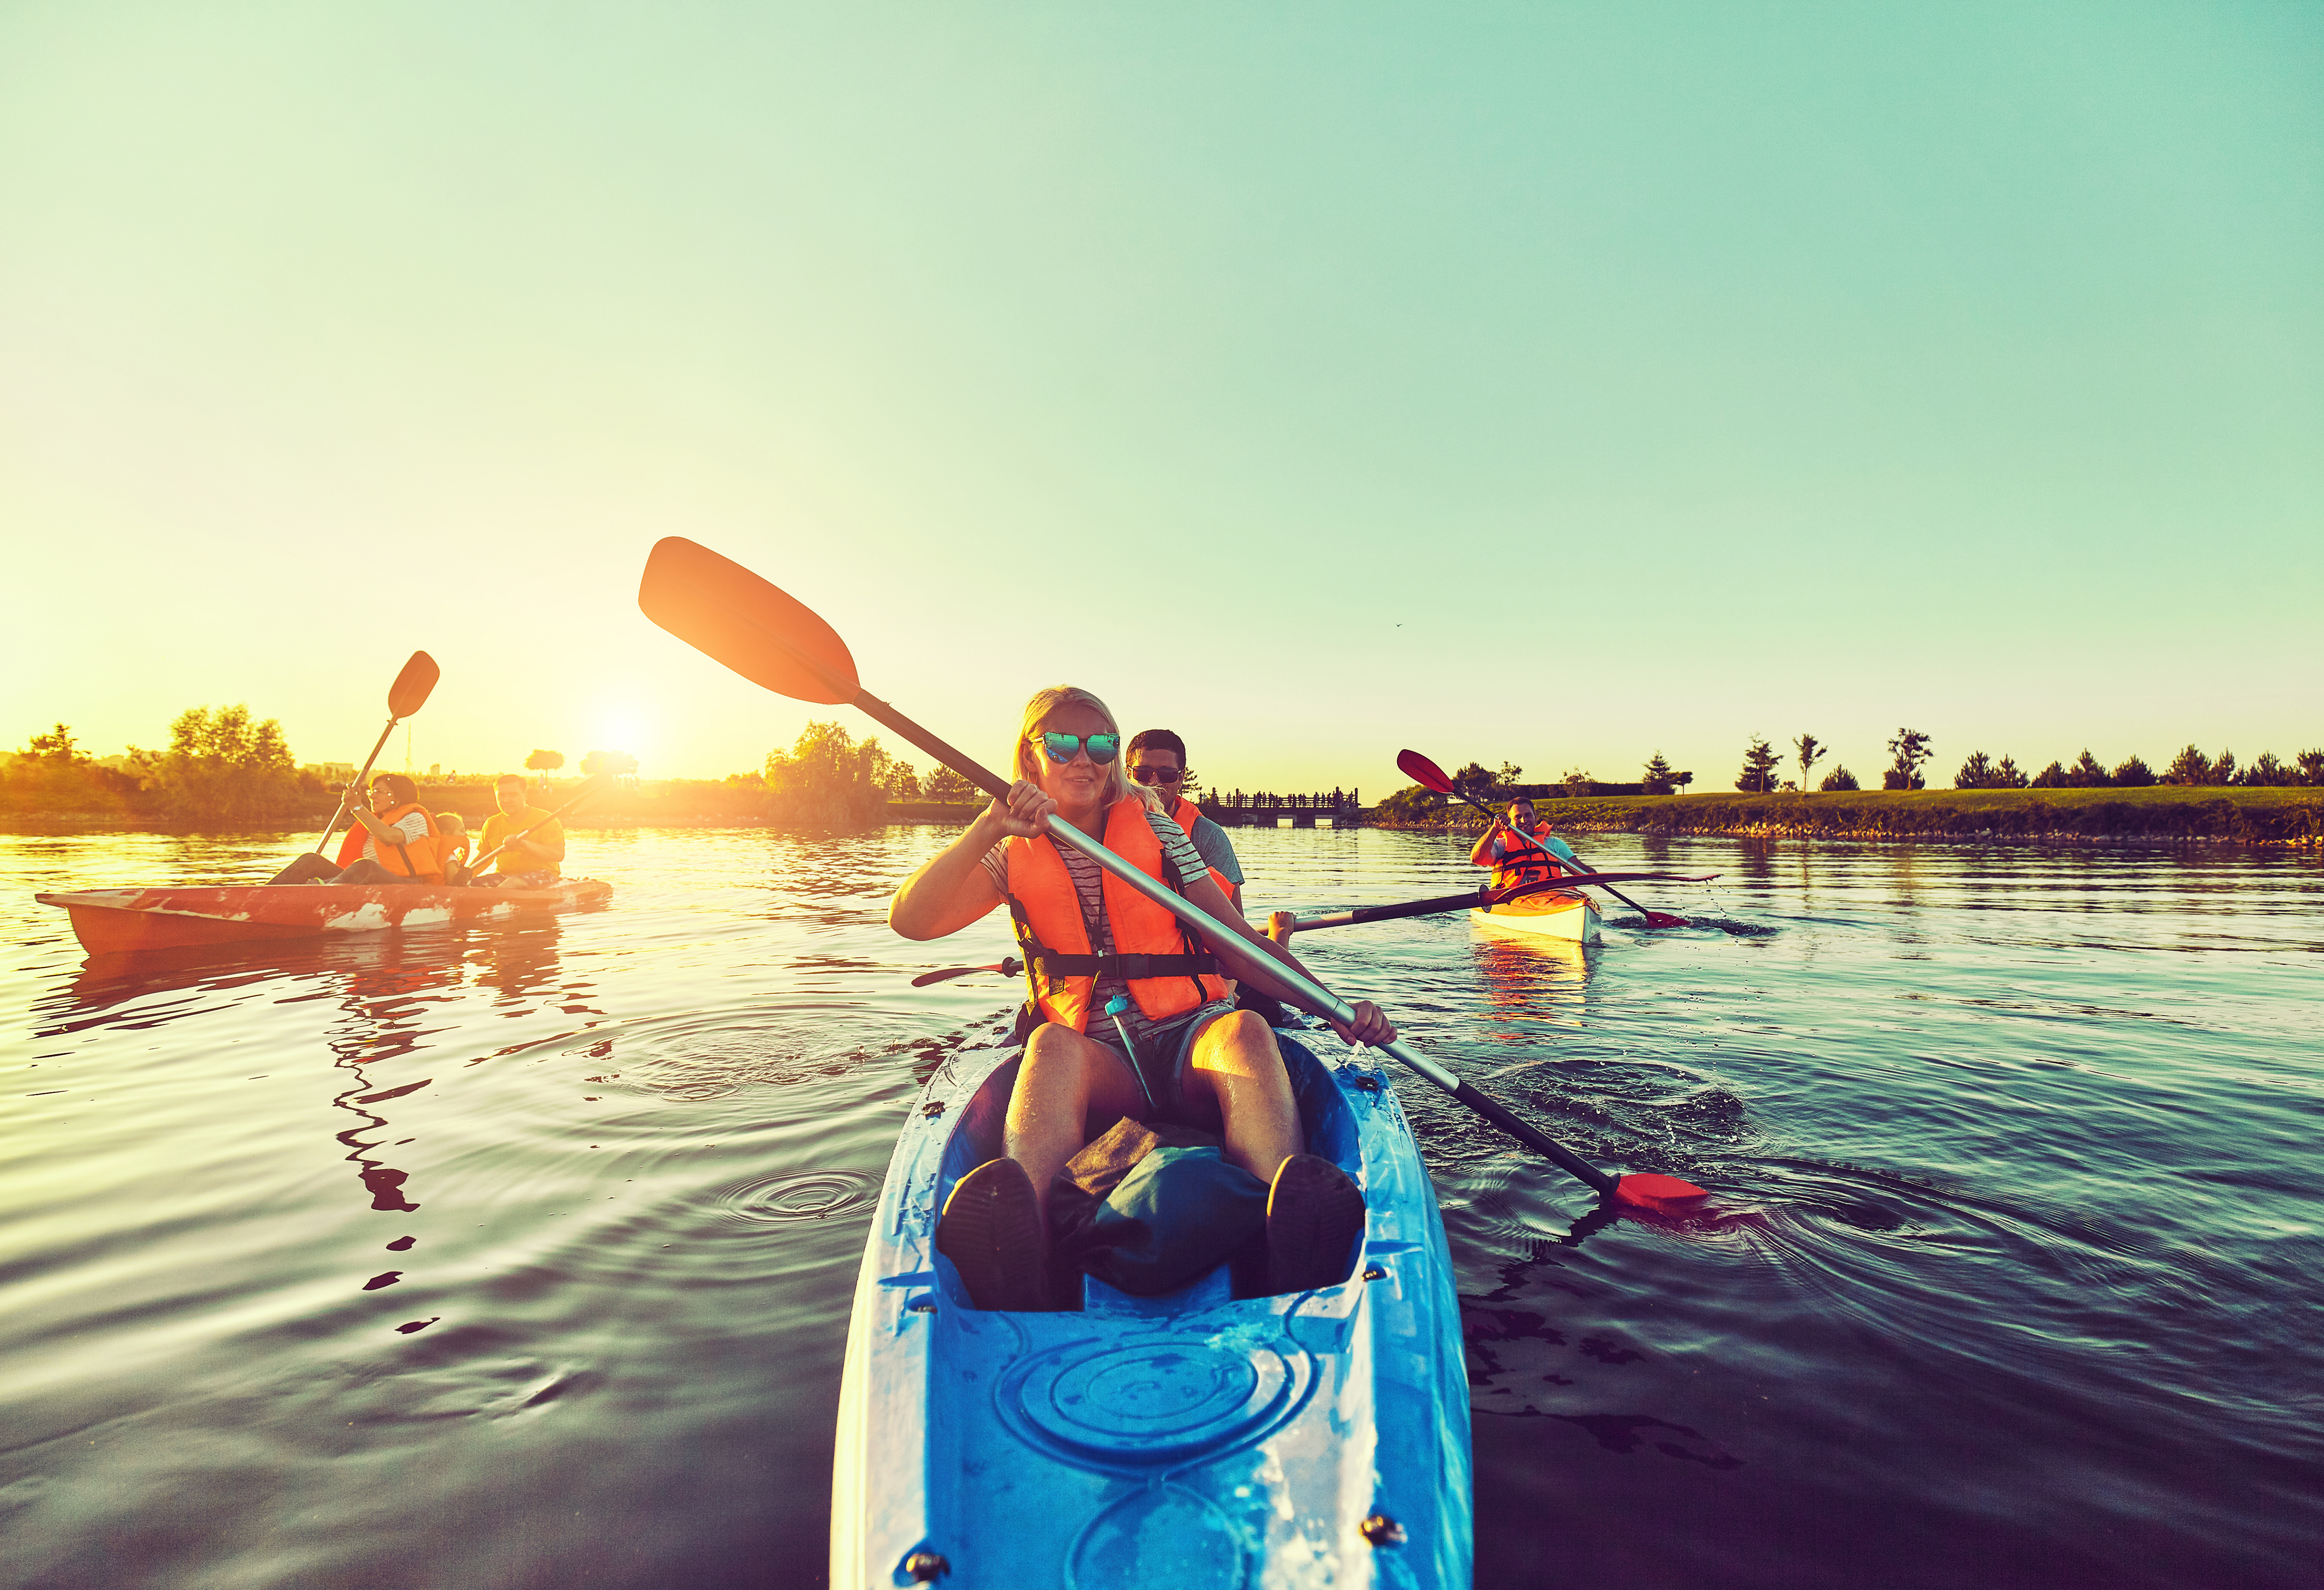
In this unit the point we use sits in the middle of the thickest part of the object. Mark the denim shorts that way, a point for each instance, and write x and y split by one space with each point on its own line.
1164 1053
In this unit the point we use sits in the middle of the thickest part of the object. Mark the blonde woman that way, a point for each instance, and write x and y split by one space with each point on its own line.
1191 1059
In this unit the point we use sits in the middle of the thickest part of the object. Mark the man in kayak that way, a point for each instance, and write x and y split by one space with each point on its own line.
1519 850
394 842
531 861
1157 759
1174 1050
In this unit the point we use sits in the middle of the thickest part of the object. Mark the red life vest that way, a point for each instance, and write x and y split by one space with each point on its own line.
414 860
1186 813
1167 970
1525 862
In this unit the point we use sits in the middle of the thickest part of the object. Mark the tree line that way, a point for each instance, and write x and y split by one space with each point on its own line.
219 765
1910 751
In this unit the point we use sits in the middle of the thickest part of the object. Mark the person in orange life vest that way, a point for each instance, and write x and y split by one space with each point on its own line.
1201 1062
394 842
528 863
1157 759
1520 851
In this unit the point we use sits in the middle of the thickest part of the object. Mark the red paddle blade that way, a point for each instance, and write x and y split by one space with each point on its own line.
410 692
1665 919
1424 772
725 612
1661 1195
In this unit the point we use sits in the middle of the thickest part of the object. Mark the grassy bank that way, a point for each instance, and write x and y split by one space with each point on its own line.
2233 813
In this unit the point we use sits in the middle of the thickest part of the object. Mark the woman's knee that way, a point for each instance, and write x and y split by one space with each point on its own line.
1239 1044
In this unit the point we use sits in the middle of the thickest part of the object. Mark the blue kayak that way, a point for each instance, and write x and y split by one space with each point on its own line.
1194 1440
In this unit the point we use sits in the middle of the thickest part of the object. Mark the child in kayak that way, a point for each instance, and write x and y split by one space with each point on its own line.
1174 1050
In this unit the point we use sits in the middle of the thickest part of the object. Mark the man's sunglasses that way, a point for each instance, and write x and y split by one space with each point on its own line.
1063 748
1158 774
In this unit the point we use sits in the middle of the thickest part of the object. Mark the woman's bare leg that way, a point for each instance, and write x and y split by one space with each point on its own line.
1236 1064
1063 1080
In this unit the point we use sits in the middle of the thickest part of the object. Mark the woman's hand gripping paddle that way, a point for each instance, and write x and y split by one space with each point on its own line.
732 615
406 696
1429 776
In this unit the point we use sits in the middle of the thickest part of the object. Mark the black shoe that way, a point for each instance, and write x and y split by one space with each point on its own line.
991 1231
1315 1219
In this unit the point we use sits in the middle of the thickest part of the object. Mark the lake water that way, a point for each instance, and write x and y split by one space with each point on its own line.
521 1256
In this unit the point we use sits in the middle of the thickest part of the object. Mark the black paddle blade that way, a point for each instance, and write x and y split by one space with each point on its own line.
725 612
1424 773
410 692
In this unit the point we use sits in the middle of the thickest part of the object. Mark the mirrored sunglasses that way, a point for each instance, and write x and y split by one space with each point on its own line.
1062 748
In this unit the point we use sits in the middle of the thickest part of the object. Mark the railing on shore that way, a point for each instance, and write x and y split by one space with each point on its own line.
1340 807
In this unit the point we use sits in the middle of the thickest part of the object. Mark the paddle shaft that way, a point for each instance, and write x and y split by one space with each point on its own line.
1479 899
1224 940
353 790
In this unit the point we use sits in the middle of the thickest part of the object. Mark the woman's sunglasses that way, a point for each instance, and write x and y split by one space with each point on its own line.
1158 774
1063 748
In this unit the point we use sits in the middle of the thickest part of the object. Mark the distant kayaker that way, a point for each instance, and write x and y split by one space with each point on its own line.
1521 850
394 842
531 862
1157 759
1191 1059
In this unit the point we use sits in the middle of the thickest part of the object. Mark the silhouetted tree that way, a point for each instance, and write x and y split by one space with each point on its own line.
1577 782
826 781
1658 779
2133 773
1976 772
1759 763
545 761
2087 774
2311 766
2266 771
1411 804
2052 777
221 766
1911 749
1811 751
944 784
1840 778
2189 767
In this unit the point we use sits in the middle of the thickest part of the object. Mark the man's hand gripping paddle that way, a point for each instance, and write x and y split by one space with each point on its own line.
1429 776
732 615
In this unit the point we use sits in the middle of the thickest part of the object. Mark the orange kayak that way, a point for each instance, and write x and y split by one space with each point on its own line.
111 921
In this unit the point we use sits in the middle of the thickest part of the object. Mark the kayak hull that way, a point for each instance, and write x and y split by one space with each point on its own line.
1553 914
112 922
1192 1440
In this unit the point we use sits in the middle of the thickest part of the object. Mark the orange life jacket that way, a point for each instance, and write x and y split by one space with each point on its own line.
1168 971
415 859
1185 813
1530 864
452 850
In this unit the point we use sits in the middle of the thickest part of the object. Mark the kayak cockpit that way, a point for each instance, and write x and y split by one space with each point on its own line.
1324 1117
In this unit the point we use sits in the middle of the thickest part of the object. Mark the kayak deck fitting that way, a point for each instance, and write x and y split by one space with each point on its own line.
1195 1440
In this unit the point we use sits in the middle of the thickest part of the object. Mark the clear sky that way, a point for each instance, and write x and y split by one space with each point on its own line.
1539 383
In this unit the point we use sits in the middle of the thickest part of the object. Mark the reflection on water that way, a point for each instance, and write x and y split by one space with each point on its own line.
521 1255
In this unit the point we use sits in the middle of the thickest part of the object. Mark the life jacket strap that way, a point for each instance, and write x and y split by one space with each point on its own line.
1129 968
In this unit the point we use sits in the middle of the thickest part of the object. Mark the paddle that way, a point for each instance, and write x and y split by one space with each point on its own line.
774 640
596 787
1482 898
406 696
1008 968
1429 776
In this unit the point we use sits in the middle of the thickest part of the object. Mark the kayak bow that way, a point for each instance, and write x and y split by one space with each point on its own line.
1196 1439
114 921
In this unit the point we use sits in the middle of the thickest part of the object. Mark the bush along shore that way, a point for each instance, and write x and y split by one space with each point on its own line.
2233 814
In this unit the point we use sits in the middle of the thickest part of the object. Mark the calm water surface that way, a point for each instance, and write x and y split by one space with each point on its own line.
521 1256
